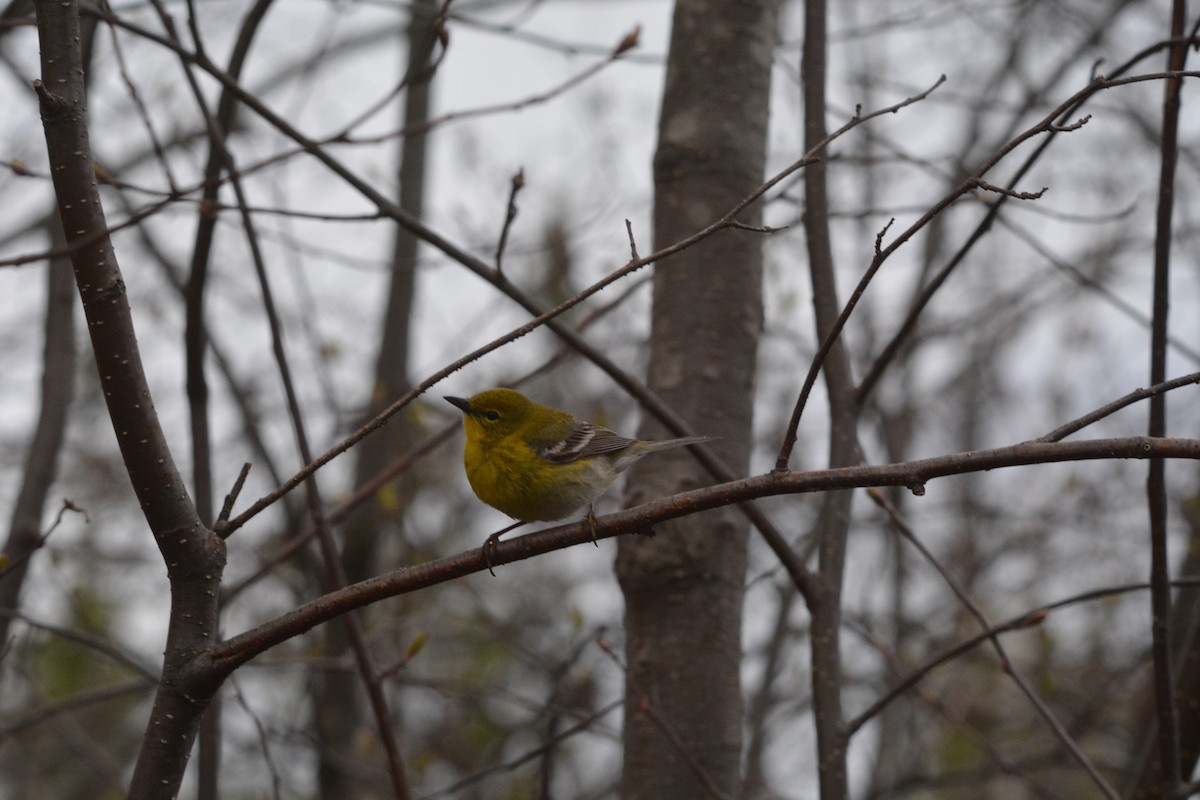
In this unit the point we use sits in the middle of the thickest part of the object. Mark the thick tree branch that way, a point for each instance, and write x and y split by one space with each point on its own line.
193 556
237 650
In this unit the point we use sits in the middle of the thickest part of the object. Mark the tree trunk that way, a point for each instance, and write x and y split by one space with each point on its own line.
337 701
684 587
833 522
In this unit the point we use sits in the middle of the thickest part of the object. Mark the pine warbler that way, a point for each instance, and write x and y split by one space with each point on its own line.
536 463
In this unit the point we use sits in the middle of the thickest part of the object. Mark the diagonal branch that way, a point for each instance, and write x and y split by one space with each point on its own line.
1076 425
1049 125
233 652
1027 620
1006 664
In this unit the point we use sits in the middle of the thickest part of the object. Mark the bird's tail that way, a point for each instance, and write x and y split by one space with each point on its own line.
668 444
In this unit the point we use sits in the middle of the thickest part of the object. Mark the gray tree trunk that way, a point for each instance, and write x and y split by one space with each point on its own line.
684 587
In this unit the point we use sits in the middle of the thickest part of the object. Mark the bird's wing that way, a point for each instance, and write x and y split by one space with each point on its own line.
584 441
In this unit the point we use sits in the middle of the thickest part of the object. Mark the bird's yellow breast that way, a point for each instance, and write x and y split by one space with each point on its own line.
515 480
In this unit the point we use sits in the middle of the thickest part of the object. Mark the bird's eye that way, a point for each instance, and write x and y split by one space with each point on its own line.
492 415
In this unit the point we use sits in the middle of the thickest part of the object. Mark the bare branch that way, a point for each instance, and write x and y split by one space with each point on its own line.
1024 621
518 183
980 183
228 655
193 556
1076 425
645 705
1006 664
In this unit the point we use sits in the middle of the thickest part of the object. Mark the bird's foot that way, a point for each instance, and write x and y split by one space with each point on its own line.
590 519
489 546
492 542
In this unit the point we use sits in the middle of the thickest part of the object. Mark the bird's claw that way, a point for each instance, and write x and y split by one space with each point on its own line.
590 519
489 546
493 541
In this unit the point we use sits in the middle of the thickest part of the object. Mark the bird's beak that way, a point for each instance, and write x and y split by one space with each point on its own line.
462 403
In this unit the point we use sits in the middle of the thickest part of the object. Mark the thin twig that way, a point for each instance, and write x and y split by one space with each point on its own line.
827 344
80 700
963 726
1056 727
627 42
8 563
264 740
832 522
419 71
518 183
454 789
1058 124
92 237
1029 619
232 497
1076 425
333 564
980 183
362 494
91 641
1184 348
645 705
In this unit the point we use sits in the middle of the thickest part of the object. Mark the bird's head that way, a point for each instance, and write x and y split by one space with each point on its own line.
493 414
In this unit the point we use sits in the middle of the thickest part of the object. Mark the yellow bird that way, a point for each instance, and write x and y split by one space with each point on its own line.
537 463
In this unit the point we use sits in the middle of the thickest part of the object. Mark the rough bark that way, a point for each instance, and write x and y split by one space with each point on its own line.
684 587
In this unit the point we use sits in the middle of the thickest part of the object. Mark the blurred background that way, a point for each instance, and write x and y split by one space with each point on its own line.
1042 320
